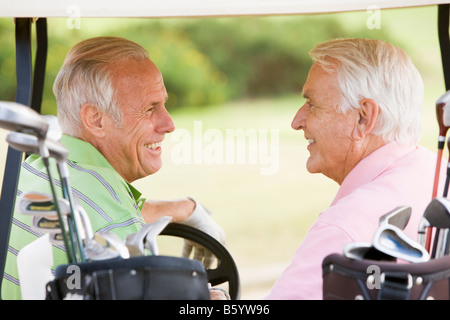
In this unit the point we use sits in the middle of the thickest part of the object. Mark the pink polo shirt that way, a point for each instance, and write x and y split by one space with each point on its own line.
392 176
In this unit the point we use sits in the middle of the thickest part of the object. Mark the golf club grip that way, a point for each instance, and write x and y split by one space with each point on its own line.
226 270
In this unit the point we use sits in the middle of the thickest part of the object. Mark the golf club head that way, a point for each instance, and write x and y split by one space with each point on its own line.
105 245
364 251
441 104
18 117
54 129
136 242
57 239
398 217
30 144
394 242
437 213
46 224
444 103
41 204
154 231
86 222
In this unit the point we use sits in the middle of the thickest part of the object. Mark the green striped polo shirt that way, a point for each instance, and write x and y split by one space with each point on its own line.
111 203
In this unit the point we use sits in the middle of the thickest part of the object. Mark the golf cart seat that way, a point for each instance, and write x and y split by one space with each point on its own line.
349 279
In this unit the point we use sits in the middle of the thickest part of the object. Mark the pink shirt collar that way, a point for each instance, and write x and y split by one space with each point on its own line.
372 166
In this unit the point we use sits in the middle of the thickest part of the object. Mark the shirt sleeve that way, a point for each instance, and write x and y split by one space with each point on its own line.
302 279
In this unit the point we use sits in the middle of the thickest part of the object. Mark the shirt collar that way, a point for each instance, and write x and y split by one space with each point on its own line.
371 167
83 152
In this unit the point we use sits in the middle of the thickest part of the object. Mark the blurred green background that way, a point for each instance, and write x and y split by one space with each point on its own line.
243 73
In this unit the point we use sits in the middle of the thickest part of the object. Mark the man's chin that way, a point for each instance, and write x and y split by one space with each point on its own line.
311 167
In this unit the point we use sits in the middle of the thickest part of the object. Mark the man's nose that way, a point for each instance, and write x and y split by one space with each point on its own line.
165 122
298 123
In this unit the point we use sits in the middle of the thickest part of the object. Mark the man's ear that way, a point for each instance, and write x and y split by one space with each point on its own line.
92 120
368 115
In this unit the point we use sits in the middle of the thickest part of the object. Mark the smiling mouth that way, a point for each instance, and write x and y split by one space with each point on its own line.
153 146
310 141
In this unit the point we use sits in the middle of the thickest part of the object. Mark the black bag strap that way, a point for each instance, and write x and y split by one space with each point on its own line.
395 286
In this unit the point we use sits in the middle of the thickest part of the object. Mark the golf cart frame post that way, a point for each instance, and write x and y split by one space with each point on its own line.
30 82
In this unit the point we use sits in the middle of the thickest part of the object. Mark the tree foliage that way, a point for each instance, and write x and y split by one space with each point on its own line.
204 61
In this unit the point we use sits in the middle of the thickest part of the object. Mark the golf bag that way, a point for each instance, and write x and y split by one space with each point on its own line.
348 279
136 278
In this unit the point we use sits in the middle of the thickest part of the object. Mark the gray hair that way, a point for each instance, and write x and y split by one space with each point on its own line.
377 70
85 78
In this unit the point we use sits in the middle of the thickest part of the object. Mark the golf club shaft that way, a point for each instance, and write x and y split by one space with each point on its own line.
441 142
438 169
441 243
74 219
70 253
447 179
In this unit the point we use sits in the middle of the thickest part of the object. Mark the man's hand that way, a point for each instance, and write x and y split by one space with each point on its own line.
201 219
189 212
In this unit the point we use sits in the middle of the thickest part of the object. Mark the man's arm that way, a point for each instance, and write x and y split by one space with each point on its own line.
189 212
178 209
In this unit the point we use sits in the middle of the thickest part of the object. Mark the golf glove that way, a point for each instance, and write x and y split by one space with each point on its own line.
201 219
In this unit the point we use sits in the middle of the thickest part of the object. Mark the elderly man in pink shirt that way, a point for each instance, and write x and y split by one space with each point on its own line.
362 119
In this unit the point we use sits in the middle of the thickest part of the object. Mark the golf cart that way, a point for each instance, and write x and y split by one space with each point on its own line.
30 82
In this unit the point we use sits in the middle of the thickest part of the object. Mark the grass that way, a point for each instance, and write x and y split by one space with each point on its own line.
266 217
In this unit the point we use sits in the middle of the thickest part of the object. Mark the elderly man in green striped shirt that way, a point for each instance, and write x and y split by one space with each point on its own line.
111 107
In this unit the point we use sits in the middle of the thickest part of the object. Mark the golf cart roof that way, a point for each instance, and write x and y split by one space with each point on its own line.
194 8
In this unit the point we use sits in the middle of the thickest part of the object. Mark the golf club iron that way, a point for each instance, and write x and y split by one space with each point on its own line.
51 148
105 245
436 215
157 227
101 245
45 217
18 117
363 251
40 204
46 224
137 242
393 241
398 217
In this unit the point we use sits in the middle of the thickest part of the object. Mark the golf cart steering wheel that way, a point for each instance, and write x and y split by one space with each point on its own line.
226 270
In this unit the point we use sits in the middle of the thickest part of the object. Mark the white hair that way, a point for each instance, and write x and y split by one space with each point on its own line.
85 78
377 70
